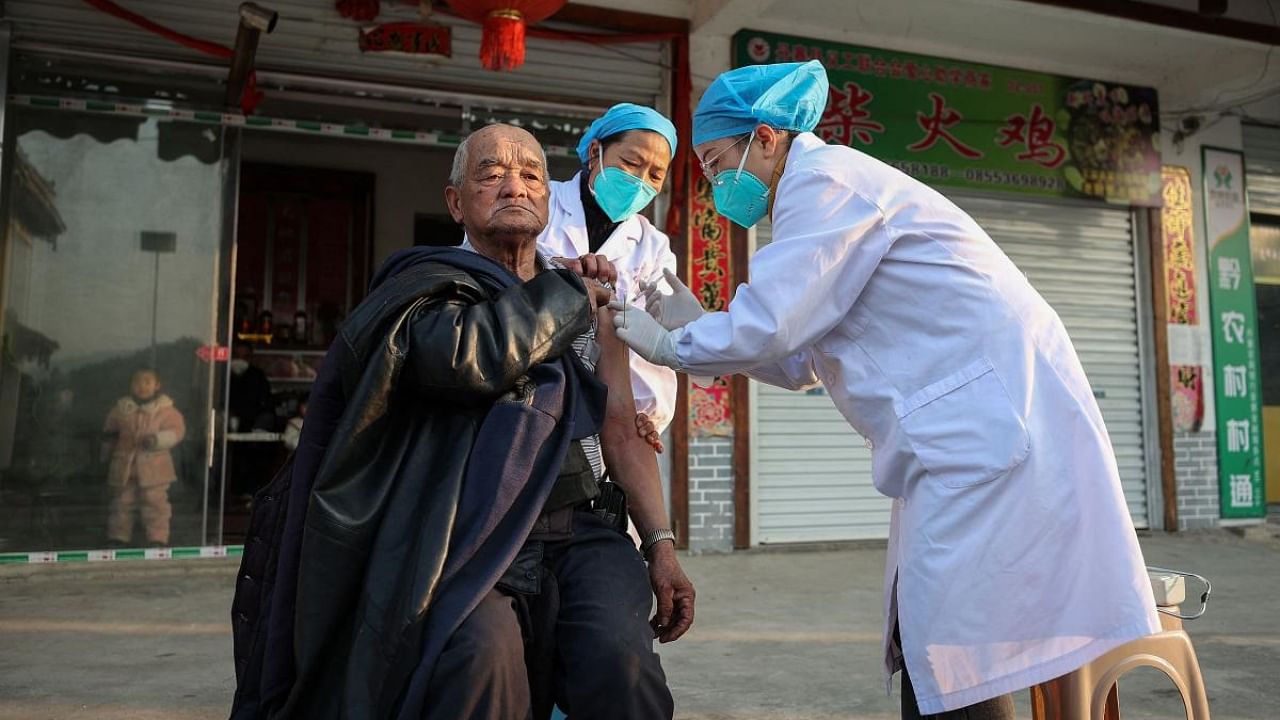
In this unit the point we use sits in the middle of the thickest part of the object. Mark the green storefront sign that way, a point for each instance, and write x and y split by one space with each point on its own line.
1237 384
981 126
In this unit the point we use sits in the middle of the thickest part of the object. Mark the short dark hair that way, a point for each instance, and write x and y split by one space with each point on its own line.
610 141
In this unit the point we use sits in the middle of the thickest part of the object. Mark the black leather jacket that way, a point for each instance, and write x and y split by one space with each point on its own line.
362 532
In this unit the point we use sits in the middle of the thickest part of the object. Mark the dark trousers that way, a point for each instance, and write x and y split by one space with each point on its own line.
570 623
999 708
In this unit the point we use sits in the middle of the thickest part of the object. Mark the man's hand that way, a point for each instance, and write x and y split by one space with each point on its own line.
595 267
647 430
674 592
600 295
148 442
597 272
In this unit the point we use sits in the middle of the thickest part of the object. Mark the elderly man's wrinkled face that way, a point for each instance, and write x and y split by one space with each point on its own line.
504 192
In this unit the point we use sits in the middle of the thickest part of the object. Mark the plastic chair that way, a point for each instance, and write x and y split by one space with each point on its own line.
1090 692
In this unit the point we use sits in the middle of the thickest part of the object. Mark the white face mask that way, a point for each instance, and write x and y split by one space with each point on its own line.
238 366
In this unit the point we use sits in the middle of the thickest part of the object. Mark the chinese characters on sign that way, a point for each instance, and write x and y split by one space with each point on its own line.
935 127
1179 246
407 37
1233 327
710 280
1035 135
1238 436
846 120
1235 336
1241 491
1235 382
981 126
1229 273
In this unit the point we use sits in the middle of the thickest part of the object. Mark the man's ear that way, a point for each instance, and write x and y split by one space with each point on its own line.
453 199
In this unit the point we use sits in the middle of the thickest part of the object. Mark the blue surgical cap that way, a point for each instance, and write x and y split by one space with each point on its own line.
623 117
785 96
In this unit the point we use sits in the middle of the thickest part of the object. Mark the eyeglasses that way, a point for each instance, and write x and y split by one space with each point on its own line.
709 165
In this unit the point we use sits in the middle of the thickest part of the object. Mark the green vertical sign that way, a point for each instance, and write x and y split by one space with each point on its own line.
1237 385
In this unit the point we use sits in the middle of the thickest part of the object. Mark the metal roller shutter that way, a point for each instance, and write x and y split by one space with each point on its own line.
1081 259
1262 168
812 472
311 38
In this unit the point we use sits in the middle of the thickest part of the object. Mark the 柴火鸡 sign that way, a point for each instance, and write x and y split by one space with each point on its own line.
980 126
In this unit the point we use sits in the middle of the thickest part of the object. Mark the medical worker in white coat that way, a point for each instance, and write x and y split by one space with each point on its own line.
626 154
1012 558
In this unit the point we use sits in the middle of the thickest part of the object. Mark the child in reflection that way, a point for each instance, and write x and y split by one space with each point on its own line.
140 431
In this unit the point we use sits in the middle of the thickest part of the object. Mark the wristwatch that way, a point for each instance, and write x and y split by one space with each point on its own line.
653 538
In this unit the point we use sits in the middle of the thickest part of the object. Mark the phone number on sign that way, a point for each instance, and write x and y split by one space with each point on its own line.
923 170
1014 179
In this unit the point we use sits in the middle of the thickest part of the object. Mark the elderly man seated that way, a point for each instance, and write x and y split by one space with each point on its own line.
448 541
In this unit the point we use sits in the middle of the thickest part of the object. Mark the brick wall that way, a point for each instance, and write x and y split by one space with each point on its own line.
710 494
1196 467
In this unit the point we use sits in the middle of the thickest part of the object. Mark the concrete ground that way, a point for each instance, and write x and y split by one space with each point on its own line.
779 635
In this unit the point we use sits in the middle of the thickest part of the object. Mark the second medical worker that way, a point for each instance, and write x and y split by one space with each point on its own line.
626 155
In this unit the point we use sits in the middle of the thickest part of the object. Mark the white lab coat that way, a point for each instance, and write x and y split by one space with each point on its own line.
640 251
1011 547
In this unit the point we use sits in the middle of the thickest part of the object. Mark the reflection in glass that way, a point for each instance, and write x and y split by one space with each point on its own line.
107 308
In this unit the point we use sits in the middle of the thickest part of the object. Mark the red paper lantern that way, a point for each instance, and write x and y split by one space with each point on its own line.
502 39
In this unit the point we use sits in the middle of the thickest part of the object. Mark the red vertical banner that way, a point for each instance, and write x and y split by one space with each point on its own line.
1177 230
710 279
1179 245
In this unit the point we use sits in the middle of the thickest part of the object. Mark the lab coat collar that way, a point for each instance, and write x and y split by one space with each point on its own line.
570 201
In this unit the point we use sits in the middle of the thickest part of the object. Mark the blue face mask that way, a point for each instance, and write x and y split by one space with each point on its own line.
740 195
619 193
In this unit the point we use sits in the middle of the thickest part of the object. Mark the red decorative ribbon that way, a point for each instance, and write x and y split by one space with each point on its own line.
251 96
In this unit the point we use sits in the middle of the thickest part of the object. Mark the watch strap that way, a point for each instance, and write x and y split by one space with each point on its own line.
653 537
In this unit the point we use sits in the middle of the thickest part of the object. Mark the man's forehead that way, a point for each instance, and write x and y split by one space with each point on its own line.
508 149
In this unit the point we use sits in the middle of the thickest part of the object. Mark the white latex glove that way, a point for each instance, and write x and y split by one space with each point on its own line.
644 335
672 311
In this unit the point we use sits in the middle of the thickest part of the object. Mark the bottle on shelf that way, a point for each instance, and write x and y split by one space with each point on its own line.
265 327
300 327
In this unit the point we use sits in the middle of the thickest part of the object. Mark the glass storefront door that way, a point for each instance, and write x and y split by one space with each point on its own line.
1264 239
113 335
